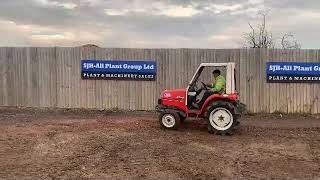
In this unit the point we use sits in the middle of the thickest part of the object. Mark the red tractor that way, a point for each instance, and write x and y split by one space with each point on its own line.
221 111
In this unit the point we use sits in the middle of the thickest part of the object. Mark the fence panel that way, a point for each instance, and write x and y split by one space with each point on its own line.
50 77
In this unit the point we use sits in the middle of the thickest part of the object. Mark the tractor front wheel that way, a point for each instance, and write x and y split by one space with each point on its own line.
169 120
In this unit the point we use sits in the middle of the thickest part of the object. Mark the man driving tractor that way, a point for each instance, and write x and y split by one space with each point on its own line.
219 106
217 86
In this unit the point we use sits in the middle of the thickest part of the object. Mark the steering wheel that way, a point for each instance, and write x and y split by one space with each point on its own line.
196 86
204 86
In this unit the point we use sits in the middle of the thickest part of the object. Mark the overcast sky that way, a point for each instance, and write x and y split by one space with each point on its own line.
152 23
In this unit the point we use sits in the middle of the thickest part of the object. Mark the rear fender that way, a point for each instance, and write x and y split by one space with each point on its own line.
215 97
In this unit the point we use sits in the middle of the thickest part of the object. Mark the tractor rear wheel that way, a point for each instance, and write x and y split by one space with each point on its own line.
221 118
169 119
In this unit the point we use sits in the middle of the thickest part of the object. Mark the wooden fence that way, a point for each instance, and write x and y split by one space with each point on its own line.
50 77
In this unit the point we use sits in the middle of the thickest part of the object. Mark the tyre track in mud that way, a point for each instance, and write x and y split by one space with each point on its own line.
79 145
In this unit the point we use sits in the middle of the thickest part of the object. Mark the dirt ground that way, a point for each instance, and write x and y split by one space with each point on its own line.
56 144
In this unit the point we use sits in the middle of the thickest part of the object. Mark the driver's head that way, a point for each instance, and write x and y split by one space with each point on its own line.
216 73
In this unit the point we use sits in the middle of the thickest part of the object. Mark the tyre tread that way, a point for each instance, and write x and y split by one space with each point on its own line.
175 115
224 104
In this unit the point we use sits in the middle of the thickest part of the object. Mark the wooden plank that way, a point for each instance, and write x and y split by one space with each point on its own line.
149 91
52 80
306 88
299 92
68 84
290 86
275 101
43 77
260 80
3 76
137 94
171 68
23 77
257 80
61 91
40 78
282 89
300 87
312 54
64 56
15 76
185 60
75 77
118 90
160 55
180 68
154 94
104 54
123 86
310 97
18 77
88 53
129 55
97 83
34 78
278 85
301 95
236 59
272 88
19 73
295 55
115 92
167 70
242 81
254 79
101 98
264 86
110 84
249 79
127 84
139 85
296 94
317 88
28 77
52 63
10 77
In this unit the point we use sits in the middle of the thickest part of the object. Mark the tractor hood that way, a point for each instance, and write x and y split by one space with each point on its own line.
173 93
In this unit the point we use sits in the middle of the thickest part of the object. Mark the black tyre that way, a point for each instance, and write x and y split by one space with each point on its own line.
221 118
182 119
169 119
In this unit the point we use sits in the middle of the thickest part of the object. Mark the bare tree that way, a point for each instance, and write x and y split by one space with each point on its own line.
288 41
261 37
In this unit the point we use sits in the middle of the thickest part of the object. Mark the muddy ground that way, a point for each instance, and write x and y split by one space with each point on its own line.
56 144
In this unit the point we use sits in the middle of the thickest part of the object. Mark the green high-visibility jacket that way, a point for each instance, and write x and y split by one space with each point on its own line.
218 84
